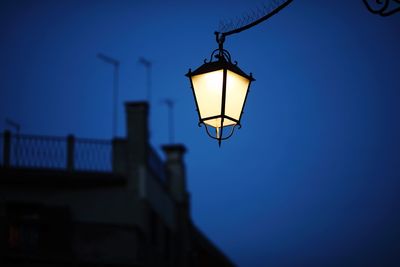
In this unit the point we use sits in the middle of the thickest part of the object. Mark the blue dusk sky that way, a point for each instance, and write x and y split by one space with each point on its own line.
311 179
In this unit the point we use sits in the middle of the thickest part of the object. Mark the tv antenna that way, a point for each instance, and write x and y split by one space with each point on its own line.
115 63
170 105
148 65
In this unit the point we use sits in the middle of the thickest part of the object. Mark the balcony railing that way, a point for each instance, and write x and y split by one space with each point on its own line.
93 155
69 153
65 153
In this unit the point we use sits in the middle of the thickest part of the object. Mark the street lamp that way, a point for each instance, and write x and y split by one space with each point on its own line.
220 87
220 91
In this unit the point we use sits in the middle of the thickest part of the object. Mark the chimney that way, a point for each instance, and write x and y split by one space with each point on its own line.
137 131
176 179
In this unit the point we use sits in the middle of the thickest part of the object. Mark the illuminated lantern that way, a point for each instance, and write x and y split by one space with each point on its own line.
220 90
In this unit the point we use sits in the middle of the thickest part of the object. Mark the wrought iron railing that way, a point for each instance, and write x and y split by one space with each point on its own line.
33 151
93 155
37 151
65 153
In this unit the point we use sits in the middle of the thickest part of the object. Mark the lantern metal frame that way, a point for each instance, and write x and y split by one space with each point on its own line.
223 62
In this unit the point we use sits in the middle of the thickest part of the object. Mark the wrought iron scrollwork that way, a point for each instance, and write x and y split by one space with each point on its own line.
220 54
220 138
383 8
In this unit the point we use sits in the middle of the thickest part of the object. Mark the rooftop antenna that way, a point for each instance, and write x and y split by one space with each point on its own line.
170 105
115 63
13 124
147 64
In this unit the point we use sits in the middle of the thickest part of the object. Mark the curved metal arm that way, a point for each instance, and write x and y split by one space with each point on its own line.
221 36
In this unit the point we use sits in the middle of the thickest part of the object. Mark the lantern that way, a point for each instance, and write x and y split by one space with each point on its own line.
220 90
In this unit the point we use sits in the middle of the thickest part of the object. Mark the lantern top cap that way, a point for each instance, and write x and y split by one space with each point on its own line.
219 65
223 61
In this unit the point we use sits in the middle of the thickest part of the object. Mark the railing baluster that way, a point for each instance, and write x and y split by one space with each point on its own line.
6 148
70 152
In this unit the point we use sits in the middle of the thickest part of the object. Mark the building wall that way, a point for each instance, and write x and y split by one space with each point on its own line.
96 243
104 205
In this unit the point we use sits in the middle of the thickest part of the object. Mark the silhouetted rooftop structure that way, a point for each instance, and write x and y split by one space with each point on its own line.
86 202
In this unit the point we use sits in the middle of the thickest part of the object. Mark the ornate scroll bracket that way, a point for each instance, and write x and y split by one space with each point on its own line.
383 8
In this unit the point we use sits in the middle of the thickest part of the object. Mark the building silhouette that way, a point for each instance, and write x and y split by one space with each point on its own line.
83 202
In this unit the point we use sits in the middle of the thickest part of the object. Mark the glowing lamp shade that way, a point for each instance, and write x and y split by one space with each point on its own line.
220 90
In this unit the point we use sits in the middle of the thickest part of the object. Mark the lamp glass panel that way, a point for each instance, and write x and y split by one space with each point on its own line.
208 92
236 89
216 123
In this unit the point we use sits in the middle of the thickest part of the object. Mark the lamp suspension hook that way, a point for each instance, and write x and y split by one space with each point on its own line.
220 38
220 53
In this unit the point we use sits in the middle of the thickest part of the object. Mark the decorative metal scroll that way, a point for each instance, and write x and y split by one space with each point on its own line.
220 53
383 8
219 132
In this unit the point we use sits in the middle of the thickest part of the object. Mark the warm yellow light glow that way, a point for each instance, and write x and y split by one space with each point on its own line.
208 91
236 88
